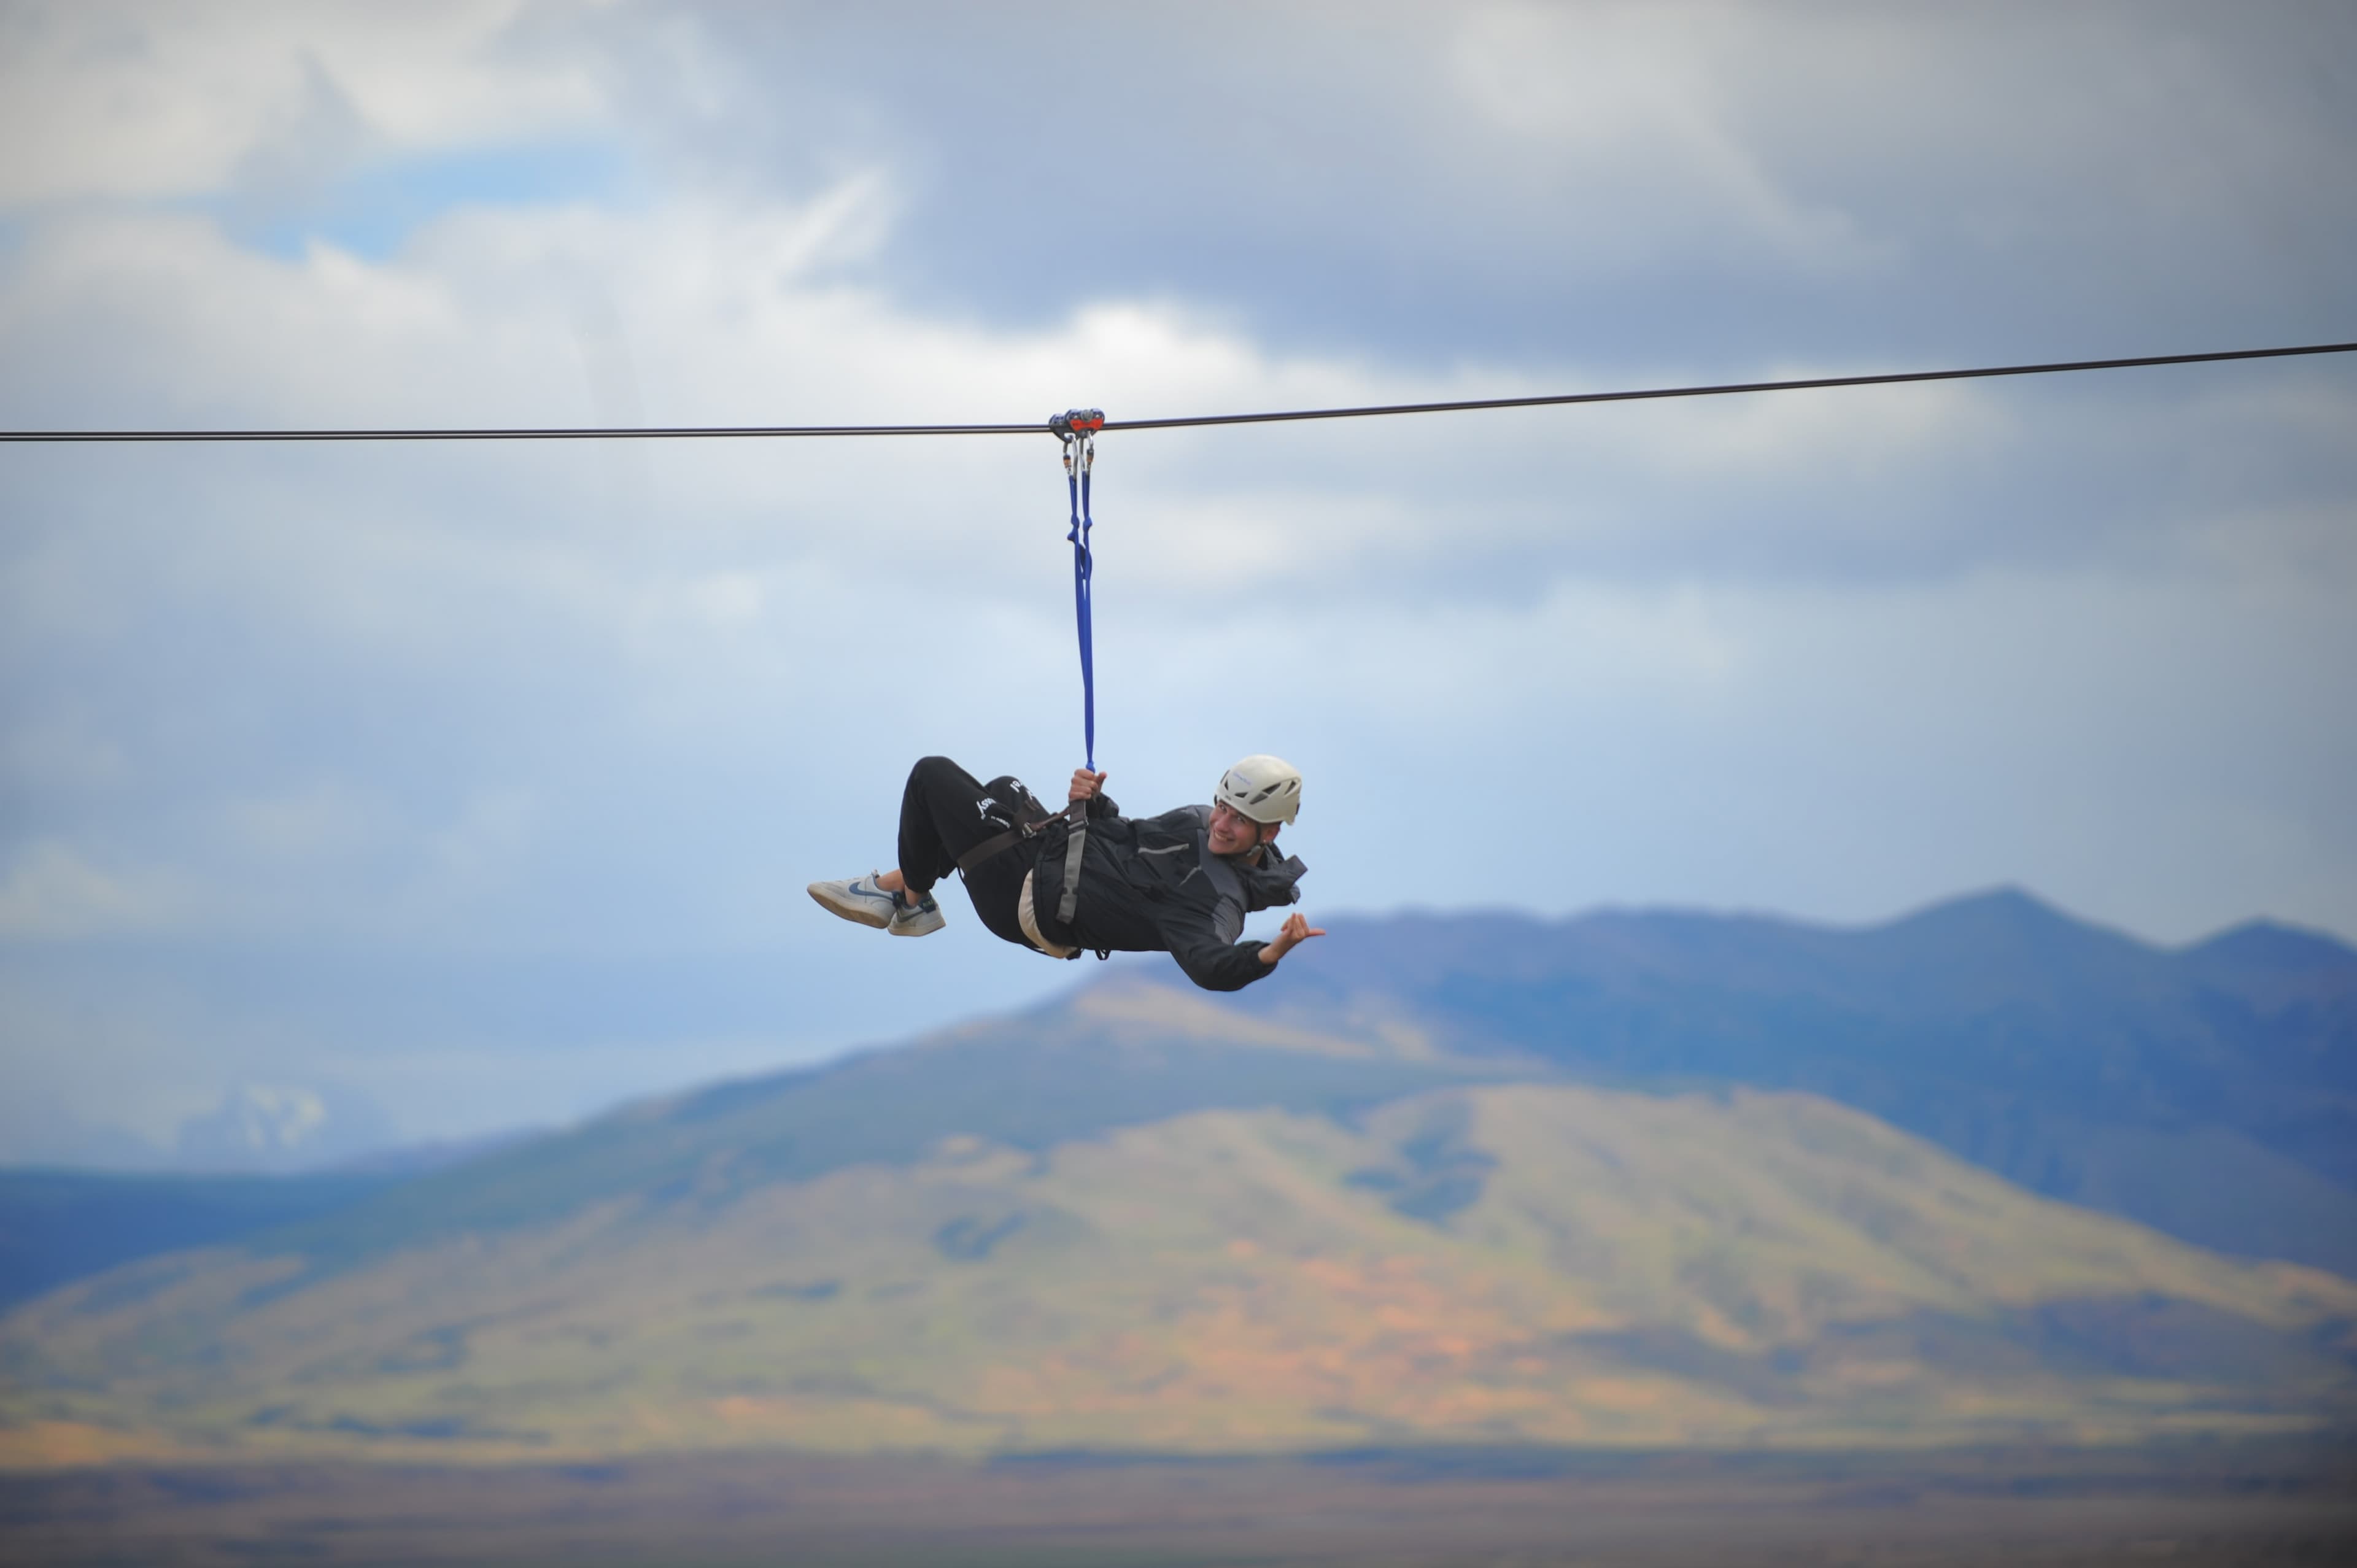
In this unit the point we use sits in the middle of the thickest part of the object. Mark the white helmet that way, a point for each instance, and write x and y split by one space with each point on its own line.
1265 788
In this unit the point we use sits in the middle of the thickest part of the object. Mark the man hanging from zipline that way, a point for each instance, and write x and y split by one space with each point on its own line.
1088 877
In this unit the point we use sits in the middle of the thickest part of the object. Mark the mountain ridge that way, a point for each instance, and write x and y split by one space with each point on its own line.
2197 1176
2064 1056
1456 1182
1498 1263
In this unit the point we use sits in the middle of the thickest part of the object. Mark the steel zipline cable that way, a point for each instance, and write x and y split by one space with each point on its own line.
1469 405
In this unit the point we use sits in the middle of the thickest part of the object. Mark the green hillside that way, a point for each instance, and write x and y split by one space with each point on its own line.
1230 1239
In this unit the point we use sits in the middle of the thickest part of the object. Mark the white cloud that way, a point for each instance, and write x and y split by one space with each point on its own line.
482 847
1836 653
318 821
1617 99
52 754
52 891
543 614
124 99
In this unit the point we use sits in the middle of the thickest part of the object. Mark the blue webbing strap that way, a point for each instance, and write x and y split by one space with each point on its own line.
1077 429
1079 455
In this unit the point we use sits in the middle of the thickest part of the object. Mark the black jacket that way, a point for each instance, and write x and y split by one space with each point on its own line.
1152 884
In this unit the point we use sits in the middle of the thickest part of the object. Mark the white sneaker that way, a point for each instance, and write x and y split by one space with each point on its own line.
857 899
921 918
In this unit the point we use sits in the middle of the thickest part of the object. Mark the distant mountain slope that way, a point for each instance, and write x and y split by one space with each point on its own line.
57 1226
1118 1054
1114 1054
1506 1264
2207 1091
2210 1090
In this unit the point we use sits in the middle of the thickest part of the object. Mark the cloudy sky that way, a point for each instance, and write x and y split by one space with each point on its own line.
476 785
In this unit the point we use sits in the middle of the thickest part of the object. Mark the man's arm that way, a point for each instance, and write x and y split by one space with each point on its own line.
1219 966
1089 786
1216 965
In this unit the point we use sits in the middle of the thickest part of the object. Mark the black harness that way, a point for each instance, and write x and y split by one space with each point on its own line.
991 848
1068 902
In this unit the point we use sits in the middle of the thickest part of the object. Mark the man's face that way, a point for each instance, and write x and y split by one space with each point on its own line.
1232 833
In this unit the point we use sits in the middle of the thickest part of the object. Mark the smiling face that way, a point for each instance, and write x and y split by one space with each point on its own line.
1232 833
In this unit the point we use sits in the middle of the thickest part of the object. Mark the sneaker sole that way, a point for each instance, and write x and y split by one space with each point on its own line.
856 910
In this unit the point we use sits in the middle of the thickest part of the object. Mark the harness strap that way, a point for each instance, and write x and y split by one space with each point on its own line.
1068 904
989 849
999 844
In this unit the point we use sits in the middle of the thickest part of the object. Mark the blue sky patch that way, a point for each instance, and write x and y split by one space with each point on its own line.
374 208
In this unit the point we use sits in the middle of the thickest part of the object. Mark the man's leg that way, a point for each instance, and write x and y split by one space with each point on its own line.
944 814
938 795
996 884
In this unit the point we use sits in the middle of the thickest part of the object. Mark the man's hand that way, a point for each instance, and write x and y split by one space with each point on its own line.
1085 785
1295 930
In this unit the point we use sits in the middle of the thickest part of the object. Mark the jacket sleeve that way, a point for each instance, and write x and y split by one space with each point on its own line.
1208 961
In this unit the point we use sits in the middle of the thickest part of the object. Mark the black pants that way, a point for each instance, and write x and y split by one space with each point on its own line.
944 814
